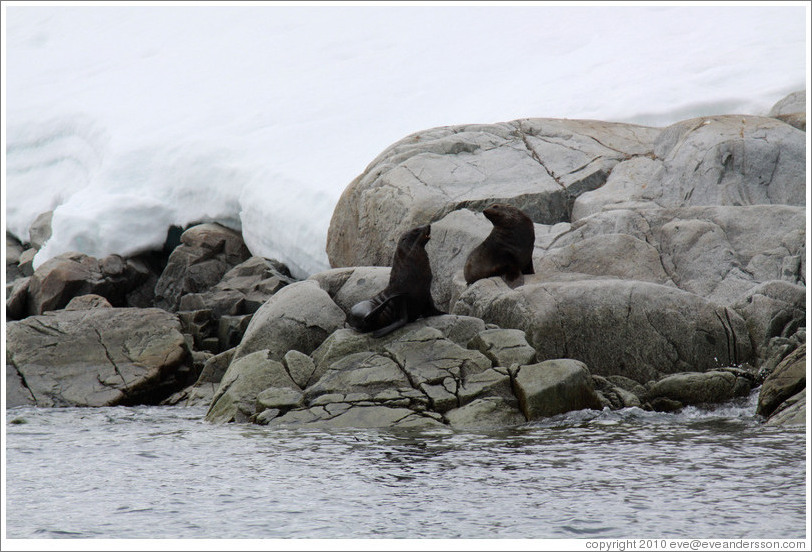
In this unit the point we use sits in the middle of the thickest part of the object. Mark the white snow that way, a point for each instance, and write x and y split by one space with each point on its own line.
128 119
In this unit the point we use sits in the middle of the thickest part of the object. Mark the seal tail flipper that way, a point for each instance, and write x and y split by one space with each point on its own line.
528 268
400 320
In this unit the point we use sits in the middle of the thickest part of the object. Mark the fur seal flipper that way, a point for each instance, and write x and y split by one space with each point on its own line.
508 249
382 313
407 297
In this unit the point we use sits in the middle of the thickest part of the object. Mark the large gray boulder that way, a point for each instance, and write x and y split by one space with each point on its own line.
299 317
96 357
617 327
718 252
792 103
724 160
791 110
538 165
504 347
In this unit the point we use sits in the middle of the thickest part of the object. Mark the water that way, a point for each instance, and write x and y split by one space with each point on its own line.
162 472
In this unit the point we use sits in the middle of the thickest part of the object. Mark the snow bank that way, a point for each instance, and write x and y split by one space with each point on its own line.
126 120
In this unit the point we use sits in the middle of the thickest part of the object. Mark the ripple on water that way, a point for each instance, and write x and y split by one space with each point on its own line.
161 472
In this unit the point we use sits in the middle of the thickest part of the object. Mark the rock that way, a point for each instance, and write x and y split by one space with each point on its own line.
778 349
504 347
26 264
89 301
554 387
246 377
788 379
300 367
348 286
98 357
363 372
457 329
206 253
485 413
279 398
615 255
493 382
614 396
14 248
197 324
797 120
718 252
537 165
61 278
231 329
143 271
792 411
628 385
40 230
723 160
692 388
17 299
436 365
299 317
242 290
772 309
202 391
410 378
17 392
635 329
361 417
793 103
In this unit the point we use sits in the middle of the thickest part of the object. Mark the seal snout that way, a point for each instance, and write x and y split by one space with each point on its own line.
492 211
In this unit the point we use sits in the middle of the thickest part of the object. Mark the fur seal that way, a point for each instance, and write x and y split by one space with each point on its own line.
407 297
507 250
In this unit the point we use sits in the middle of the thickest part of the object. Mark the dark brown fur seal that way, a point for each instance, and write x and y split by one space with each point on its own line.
408 295
508 249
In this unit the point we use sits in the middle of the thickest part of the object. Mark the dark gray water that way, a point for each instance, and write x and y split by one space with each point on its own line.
161 472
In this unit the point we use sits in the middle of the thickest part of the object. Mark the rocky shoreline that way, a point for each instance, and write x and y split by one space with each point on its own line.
670 270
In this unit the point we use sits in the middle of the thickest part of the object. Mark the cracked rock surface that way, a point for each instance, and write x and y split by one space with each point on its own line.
96 357
658 250
454 370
